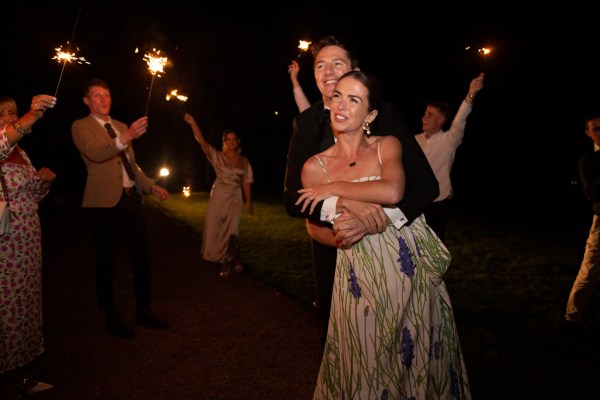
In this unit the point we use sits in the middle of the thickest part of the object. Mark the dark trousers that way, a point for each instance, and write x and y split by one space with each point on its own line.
111 226
323 259
436 215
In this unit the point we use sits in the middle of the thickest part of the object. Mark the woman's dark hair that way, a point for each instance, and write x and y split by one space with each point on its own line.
375 92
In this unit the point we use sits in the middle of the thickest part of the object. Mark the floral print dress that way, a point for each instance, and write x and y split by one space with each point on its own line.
21 334
392 333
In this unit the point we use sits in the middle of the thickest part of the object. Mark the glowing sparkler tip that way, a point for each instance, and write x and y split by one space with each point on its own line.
65 56
304 45
155 62
179 97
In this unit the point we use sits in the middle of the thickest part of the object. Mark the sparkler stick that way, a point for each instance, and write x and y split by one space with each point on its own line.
67 56
156 64
179 97
485 51
303 46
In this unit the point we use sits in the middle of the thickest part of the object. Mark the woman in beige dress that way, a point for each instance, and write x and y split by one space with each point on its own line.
234 178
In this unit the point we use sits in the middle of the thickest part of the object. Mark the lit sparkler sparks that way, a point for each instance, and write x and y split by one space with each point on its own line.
177 96
65 57
484 51
156 64
303 46
180 97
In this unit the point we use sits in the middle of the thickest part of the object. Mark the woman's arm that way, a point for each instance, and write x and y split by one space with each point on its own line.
321 233
247 189
197 133
387 191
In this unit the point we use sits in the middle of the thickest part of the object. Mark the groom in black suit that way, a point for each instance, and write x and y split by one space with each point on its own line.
312 134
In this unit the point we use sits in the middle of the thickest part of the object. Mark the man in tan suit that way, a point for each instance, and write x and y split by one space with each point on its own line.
112 202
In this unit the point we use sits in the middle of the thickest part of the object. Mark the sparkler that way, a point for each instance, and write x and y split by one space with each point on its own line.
179 97
156 64
303 46
67 55
484 51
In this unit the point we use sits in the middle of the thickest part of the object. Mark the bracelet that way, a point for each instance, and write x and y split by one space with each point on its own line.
471 96
20 129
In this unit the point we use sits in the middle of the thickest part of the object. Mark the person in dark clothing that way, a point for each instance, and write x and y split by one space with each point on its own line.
588 276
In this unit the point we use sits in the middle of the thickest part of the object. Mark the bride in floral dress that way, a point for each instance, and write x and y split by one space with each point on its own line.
392 333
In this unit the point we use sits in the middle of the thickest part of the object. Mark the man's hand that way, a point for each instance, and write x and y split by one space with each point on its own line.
159 192
136 130
357 220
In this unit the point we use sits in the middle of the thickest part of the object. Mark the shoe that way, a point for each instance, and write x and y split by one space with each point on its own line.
147 317
116 326
31 386
225 270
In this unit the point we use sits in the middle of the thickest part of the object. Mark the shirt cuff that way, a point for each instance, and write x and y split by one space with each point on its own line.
396 216
120 145
328 209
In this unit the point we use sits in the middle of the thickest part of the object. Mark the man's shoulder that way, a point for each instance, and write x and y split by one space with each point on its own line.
590 156
311 111
84 120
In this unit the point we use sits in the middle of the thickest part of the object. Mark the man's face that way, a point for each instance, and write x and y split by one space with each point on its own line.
99 101
330 63
593 130
432 120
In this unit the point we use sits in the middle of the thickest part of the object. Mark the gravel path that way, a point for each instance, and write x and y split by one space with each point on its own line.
229 338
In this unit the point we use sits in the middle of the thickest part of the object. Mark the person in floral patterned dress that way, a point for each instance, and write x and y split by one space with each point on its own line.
21 333
391 333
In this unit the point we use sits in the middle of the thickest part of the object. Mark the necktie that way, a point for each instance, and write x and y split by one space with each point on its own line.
124 159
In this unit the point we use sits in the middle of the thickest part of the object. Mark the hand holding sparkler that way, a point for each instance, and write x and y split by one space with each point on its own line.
21 127
42 102
135 131
299 96
475 86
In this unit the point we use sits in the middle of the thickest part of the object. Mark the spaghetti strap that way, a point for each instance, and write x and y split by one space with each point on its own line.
379 151
323 167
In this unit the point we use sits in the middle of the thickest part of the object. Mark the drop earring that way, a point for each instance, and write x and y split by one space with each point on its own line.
367 129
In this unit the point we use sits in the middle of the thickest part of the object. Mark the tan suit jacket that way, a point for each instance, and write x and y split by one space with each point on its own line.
104 184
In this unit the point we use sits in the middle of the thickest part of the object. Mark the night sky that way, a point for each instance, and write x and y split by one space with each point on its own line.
523 138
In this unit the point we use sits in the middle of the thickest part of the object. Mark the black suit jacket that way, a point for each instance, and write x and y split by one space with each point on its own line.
589 172
307 140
